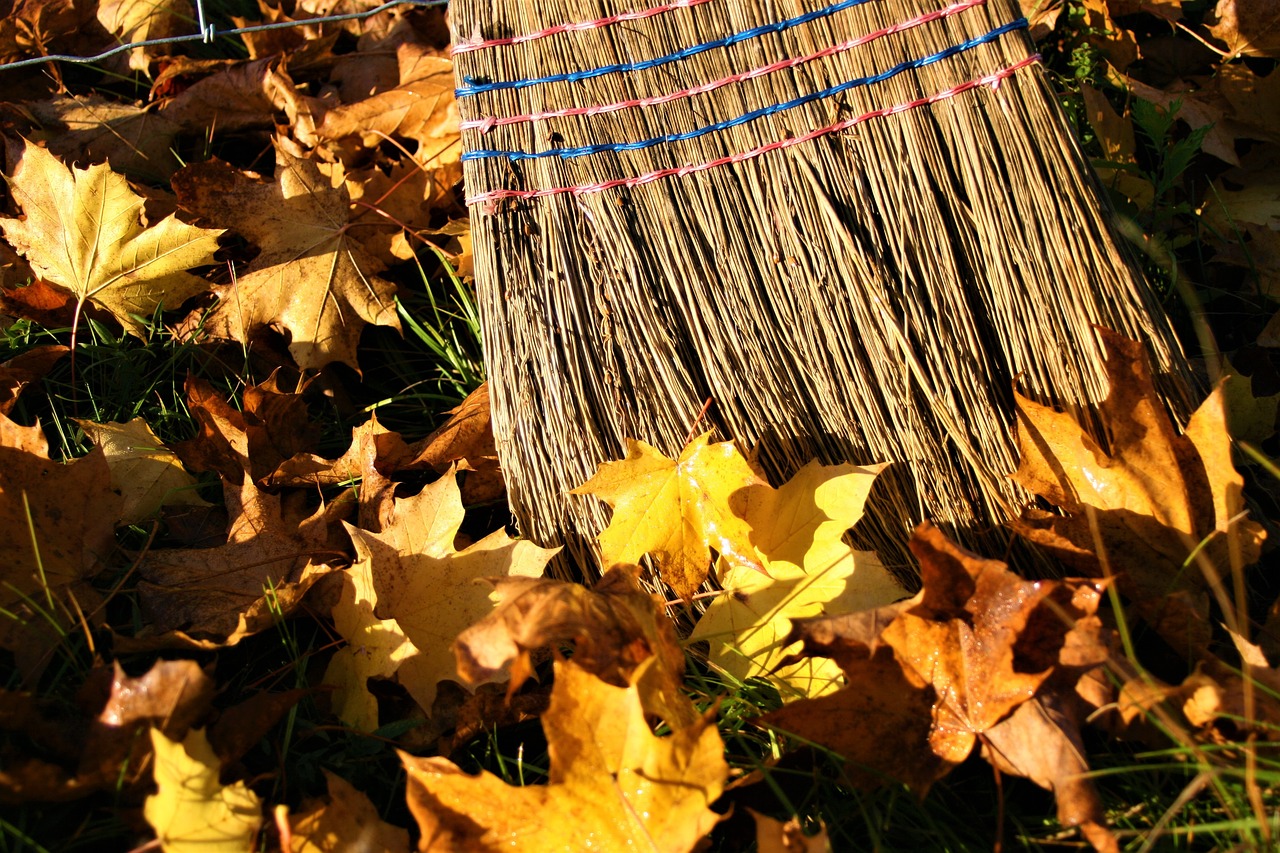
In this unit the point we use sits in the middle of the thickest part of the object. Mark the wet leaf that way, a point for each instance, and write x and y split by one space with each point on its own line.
1143 504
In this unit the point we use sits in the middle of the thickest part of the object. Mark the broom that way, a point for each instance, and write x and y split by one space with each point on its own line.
849 225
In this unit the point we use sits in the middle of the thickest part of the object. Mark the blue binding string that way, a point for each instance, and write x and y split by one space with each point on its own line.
475 88
586 150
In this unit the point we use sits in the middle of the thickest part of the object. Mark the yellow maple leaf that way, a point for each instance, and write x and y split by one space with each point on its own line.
812 572
191 810
375 648
347 822
678 510
85 230
147 474
613 784
429 588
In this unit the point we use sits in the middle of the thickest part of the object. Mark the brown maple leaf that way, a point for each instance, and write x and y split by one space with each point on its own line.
928 676
1162 510
60 522
313 280
275 550
614 627
273 425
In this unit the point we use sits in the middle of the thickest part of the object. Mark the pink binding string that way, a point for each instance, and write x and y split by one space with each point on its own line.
466 46
490 122
993 80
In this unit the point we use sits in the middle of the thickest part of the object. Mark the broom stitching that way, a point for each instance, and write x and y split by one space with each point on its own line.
576 26
475 88
485 124
772 109
994 79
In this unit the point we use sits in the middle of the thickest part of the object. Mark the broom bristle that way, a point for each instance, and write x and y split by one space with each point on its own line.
867 290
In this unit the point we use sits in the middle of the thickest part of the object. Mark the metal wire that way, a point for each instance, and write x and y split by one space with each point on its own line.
208 32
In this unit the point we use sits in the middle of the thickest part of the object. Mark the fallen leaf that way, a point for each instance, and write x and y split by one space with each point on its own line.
1248 27
245 96
677 510
774 836
375 648
273 426
134 140
60 522
105 747
799 528
128 21
613 785
347 823
191 810
242 727
467 436
614 627
274 551
428 587
85 231
925 677
21 370
1146 502
312 281
421 108
147 474
1040 741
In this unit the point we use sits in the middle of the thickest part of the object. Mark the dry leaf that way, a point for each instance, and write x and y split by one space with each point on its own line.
677 510
133 140
245 96
147 474
139 20
347 823
192 812
1145 503
274 553
614 627
60 522
430 588
928 675
1041 742
466 437
613 784
85 231
375 648
1248 27
21 370
799 529
312 281
273 426
420 108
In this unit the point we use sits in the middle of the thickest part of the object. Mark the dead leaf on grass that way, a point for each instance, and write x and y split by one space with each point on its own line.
613 784
313 280
85 231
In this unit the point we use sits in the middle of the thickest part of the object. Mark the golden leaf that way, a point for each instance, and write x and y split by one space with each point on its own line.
147 474
613 784
677 510
85 230
191 812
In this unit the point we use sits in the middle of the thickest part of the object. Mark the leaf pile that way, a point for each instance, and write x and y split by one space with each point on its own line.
252 601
